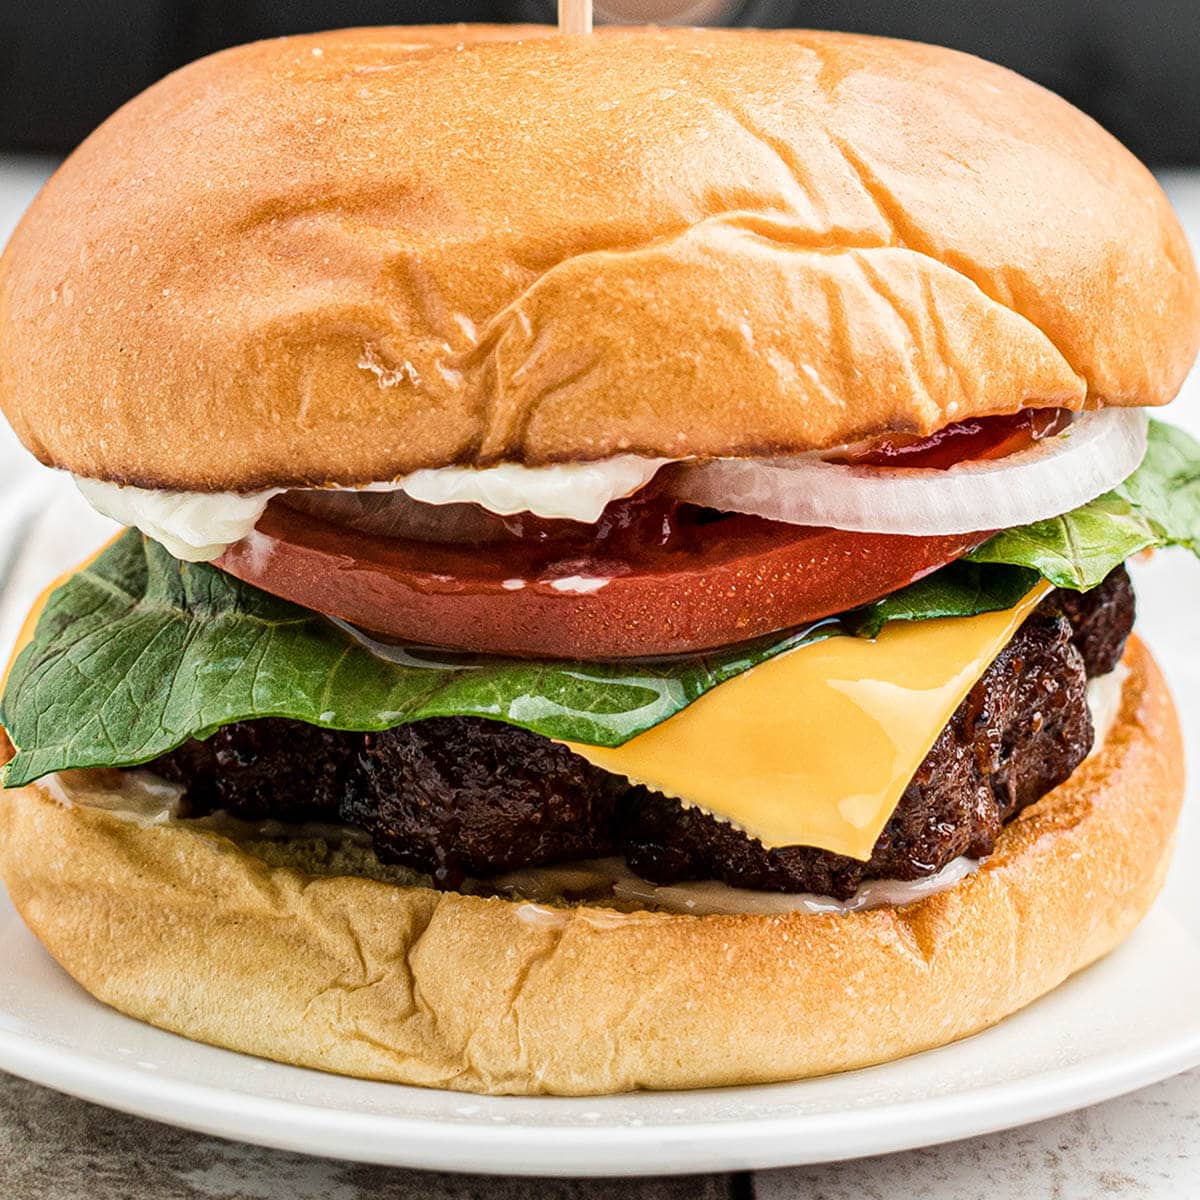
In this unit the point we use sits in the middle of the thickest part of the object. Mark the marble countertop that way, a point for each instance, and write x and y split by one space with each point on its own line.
54 1147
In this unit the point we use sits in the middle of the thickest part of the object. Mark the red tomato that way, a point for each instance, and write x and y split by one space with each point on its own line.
653 577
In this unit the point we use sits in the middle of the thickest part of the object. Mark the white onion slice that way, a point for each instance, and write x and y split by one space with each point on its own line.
1095 453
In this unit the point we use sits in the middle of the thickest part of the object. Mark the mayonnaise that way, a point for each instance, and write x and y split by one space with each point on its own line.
569 491
193 526
200 526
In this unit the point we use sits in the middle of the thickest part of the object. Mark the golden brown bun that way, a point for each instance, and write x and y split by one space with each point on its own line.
342 257
190 932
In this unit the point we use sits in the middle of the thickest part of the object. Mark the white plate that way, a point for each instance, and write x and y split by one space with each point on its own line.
1128 1021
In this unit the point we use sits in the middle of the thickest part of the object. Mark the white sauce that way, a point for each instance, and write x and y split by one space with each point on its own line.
1104 700
610 878
199 526
580 585
569 491
142 797
713 897
193 526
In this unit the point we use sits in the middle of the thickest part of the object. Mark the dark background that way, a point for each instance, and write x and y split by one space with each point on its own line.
1132 64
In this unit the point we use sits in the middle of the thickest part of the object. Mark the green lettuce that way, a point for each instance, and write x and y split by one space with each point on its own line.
1158 505
138 652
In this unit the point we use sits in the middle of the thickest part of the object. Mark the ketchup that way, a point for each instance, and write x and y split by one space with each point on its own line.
979 438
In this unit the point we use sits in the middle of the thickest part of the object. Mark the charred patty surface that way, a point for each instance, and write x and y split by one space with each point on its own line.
461 795
458 796
1100 619
285 770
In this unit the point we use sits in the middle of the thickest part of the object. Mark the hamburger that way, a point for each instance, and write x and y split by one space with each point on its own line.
624 583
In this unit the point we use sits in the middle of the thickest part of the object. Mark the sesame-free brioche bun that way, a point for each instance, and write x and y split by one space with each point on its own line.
195 933
339 258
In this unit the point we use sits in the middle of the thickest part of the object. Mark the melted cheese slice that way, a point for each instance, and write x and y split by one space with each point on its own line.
816 747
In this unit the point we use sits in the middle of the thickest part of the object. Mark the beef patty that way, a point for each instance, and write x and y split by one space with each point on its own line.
458 796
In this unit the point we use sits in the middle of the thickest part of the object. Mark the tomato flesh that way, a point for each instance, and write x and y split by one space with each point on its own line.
654 577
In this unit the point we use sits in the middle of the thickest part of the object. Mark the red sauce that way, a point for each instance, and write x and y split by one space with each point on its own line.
979 438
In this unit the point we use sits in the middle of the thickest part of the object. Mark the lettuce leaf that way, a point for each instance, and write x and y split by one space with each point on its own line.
1158 505
138 652
963 589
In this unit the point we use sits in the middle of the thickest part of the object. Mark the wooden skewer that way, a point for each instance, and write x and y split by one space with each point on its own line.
574 16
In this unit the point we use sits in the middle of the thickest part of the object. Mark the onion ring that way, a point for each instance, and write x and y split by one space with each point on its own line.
1098 451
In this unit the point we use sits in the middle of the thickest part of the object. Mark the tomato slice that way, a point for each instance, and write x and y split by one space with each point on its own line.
655 577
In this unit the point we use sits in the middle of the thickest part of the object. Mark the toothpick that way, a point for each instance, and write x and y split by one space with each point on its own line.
574 16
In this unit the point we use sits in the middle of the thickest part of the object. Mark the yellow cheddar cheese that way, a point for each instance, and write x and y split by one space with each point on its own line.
815 747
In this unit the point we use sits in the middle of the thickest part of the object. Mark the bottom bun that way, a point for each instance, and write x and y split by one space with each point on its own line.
186 929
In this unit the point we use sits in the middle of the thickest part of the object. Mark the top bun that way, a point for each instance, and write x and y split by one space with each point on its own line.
339 258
